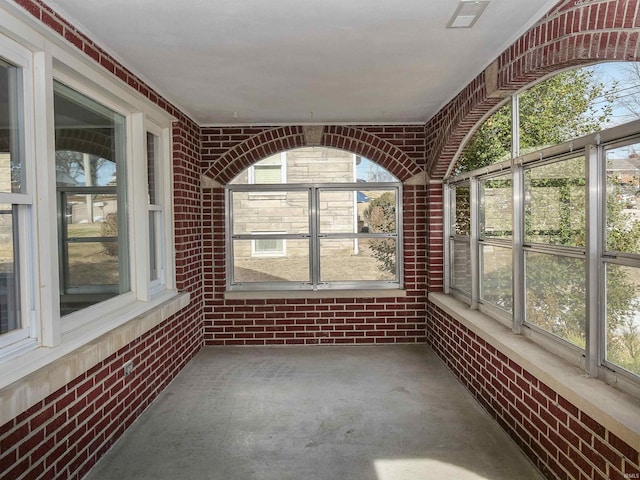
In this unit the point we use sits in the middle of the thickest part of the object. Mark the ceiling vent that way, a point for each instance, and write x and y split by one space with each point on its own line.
467 13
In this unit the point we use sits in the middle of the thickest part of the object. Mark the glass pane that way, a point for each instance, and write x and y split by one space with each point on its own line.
11 145
9 271
623 199
555 204
490 144
623 317
292 266
555 290
284 212
461 266
496 207
152 152
354 211
357 259
563 107
90 155
93 263
496 276
461 211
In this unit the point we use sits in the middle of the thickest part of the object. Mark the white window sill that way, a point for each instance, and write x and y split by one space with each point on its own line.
616 411
292 294
34 375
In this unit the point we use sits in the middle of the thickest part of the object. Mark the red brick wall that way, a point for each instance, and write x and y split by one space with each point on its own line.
65 434
573 33
226 152
560 439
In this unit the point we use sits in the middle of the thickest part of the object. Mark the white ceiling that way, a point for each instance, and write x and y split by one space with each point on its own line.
300 61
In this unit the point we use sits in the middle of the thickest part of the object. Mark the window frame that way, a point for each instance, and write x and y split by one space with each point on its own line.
592 358
313 235
26 336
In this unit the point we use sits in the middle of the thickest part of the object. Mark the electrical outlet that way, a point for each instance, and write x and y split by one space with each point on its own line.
128 367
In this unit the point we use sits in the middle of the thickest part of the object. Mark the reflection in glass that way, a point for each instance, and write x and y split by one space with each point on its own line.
496 207
9 271
496 280
90 152
251 266
623 316
623 199
555 205
555 290
362 259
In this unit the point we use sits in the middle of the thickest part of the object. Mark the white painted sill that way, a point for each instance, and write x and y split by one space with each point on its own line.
293 294
34 375
616 411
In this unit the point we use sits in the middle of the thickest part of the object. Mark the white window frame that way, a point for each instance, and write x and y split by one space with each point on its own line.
26 337
283 169
45 56
255 252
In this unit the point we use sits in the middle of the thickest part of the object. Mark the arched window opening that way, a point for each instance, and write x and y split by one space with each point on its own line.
314 218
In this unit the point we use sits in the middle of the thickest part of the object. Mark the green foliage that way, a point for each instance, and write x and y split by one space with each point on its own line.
381 217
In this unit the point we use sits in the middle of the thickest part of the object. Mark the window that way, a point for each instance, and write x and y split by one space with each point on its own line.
326 227
16 199
85 205
92 203
548 241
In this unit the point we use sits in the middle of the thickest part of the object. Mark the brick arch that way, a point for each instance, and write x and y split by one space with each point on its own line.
572 34
280 139
95 142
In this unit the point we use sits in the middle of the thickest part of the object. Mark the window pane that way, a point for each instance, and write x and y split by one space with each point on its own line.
248 268
490 144
461 210
285 212
11 168
555 290
496 207
461 266
357 259
9 271
563 107
154 274
496 280
152 152
623 317
90 175
555 204
623 199
354 211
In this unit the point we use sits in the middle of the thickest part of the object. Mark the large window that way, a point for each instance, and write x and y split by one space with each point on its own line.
85 205
328 223
548 241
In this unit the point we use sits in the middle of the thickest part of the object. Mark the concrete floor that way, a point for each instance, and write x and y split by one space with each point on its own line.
315 413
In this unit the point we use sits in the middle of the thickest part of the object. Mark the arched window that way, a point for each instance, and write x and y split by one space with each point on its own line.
314 218
544 217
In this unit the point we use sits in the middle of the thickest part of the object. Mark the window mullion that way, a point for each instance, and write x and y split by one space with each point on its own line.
314 241
595 284
518 249
474 254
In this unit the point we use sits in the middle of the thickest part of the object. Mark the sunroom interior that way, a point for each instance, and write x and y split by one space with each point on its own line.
320 261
